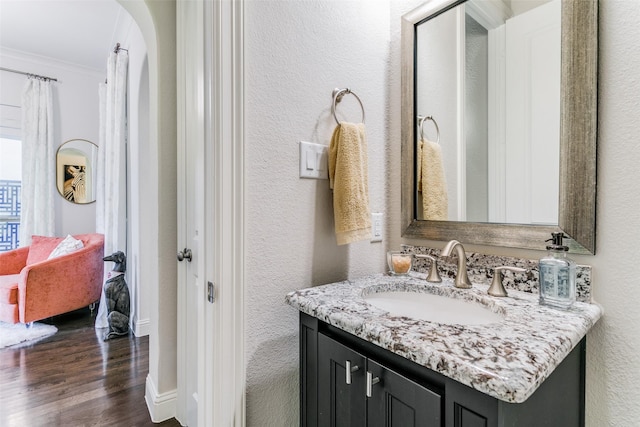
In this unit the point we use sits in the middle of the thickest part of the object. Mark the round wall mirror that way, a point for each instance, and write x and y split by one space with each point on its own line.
76 162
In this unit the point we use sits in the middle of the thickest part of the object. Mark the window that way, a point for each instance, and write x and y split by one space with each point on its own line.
10 185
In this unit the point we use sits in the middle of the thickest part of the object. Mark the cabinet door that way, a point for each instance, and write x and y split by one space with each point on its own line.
399 402
341 399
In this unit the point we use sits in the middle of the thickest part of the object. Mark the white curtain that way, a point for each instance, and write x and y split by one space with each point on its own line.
111 185
38 161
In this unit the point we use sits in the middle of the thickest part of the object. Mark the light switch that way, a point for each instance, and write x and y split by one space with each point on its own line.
313 161
376 227
321 161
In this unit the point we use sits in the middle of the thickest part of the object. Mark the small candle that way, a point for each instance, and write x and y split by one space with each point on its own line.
401 263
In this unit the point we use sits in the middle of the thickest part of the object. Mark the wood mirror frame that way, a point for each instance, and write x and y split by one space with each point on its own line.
578 135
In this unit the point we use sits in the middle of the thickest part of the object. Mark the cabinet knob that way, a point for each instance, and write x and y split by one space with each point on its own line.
349 370
371 381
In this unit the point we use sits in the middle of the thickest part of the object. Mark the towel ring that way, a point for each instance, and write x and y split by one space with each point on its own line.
421 124
337 97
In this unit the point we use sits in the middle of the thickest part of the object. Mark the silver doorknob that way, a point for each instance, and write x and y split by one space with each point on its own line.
185 254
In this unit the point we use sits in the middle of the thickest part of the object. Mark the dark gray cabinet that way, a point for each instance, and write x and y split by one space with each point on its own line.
354 391
346 381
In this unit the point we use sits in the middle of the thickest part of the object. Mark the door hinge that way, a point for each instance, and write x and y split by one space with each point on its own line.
211 292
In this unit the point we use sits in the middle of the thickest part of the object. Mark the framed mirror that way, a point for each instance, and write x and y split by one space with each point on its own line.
76 162
496 197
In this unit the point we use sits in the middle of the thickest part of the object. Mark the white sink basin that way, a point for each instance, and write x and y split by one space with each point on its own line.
434 308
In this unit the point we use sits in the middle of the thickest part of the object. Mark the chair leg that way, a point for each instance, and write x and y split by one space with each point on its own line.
92 307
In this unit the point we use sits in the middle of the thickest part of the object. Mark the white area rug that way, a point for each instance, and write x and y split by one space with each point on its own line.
12 334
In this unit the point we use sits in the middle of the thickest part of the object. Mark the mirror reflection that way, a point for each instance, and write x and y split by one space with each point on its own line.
75 170
487 85
473 187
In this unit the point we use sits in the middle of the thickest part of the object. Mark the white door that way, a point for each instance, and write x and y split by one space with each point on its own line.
191 198
210 213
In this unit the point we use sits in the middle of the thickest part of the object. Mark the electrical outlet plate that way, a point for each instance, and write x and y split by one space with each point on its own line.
377 229
314 160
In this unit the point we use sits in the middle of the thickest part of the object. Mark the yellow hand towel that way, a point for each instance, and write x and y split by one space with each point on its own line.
349 180
431 181
419 163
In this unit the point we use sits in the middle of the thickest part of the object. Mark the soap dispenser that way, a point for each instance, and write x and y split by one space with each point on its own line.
557 275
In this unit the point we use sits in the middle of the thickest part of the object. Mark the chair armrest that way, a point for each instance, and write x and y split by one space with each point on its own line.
12 262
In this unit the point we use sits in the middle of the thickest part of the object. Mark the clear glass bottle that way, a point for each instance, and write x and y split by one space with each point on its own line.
557 275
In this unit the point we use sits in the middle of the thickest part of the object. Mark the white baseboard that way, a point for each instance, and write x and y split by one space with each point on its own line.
161 406
141 327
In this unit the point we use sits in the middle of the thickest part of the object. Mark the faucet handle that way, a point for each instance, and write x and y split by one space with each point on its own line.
497 288
434 275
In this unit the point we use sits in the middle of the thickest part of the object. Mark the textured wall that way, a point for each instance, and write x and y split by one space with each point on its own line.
613 348
296 52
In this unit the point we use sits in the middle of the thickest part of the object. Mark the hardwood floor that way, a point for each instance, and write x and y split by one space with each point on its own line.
75 379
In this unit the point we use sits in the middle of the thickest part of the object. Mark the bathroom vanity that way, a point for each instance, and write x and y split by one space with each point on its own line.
363 366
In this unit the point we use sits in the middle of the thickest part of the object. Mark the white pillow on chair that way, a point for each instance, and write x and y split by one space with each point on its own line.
66 246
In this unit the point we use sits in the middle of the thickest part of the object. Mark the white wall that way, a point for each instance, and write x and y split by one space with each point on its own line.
130 37
613 348
296 53
157 201
76 116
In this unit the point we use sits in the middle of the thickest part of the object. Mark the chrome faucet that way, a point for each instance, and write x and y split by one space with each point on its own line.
462 279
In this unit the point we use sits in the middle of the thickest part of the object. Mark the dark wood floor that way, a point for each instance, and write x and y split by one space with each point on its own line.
75 379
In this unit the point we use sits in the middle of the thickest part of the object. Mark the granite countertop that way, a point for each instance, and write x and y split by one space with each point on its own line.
506 360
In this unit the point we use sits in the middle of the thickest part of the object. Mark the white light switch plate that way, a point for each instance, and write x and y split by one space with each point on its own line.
314 160
377 229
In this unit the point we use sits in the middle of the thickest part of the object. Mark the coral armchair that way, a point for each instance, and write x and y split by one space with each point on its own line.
33 287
